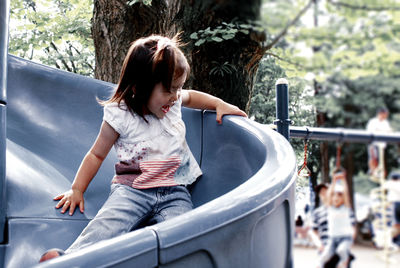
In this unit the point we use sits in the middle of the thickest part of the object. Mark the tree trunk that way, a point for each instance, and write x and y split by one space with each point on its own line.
349 166
116 25
241 55
324 147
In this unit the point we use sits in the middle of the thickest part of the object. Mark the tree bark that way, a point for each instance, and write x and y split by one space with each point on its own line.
349 166
116 24
324 147
244 52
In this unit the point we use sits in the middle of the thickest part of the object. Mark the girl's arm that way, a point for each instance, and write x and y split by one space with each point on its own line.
200 100
316 239
342 177
87 170
329 192
346 194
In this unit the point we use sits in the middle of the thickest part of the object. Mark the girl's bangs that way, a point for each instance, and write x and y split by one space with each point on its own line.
181 67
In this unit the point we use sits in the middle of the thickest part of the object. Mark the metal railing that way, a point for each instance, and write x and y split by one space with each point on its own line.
314 133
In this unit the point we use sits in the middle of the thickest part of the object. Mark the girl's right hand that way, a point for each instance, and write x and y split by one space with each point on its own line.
70 199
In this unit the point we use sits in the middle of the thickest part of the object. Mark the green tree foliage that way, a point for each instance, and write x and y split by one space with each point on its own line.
350 50
263 101
53 32
357 59
301 112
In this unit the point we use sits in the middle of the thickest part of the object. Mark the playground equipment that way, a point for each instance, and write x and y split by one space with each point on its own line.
244 202
381 208
382 211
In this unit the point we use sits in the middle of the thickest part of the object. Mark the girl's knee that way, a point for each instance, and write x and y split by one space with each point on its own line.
343 251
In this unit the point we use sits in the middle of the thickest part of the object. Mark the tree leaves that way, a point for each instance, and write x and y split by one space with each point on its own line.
225 31
350 48
145 2
53 32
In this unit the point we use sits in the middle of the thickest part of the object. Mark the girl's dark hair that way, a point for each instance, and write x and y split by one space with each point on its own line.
149 61
318 189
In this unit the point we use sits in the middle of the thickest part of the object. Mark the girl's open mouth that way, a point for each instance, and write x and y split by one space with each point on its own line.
165 108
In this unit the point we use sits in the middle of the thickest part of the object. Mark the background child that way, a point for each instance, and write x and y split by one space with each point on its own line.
377 124
393 196
320 218
340 228
143 121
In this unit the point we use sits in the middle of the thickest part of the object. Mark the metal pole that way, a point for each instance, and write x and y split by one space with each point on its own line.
4 6
384 206
342 135
4 19
282 107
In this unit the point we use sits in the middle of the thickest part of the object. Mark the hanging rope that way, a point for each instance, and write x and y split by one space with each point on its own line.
338 167
304 168
305 174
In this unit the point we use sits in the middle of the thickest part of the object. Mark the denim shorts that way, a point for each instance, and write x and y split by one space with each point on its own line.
128 209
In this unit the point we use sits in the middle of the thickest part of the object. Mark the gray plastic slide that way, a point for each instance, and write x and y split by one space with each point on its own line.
244 202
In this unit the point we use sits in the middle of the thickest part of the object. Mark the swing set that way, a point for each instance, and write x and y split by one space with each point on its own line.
381 209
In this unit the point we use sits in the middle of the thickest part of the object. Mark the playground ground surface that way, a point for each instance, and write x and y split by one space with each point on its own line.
365 257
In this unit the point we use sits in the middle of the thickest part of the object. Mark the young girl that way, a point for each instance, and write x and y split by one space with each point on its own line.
143 121
340 222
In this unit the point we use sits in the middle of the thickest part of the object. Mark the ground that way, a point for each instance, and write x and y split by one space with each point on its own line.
366 257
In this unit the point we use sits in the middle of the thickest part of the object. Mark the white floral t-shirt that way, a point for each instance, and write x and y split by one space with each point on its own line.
154 153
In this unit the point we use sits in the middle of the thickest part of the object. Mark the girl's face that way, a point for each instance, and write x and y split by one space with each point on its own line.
337 199
383 116
161 100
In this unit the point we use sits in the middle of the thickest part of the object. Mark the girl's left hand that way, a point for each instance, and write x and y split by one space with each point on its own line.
224 108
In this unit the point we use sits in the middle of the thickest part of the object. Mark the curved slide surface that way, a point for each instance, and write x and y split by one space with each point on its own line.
244 202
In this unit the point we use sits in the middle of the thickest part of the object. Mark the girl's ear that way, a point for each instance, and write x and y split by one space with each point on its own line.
134 90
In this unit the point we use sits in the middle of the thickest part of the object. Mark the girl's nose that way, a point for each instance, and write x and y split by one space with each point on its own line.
175 96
